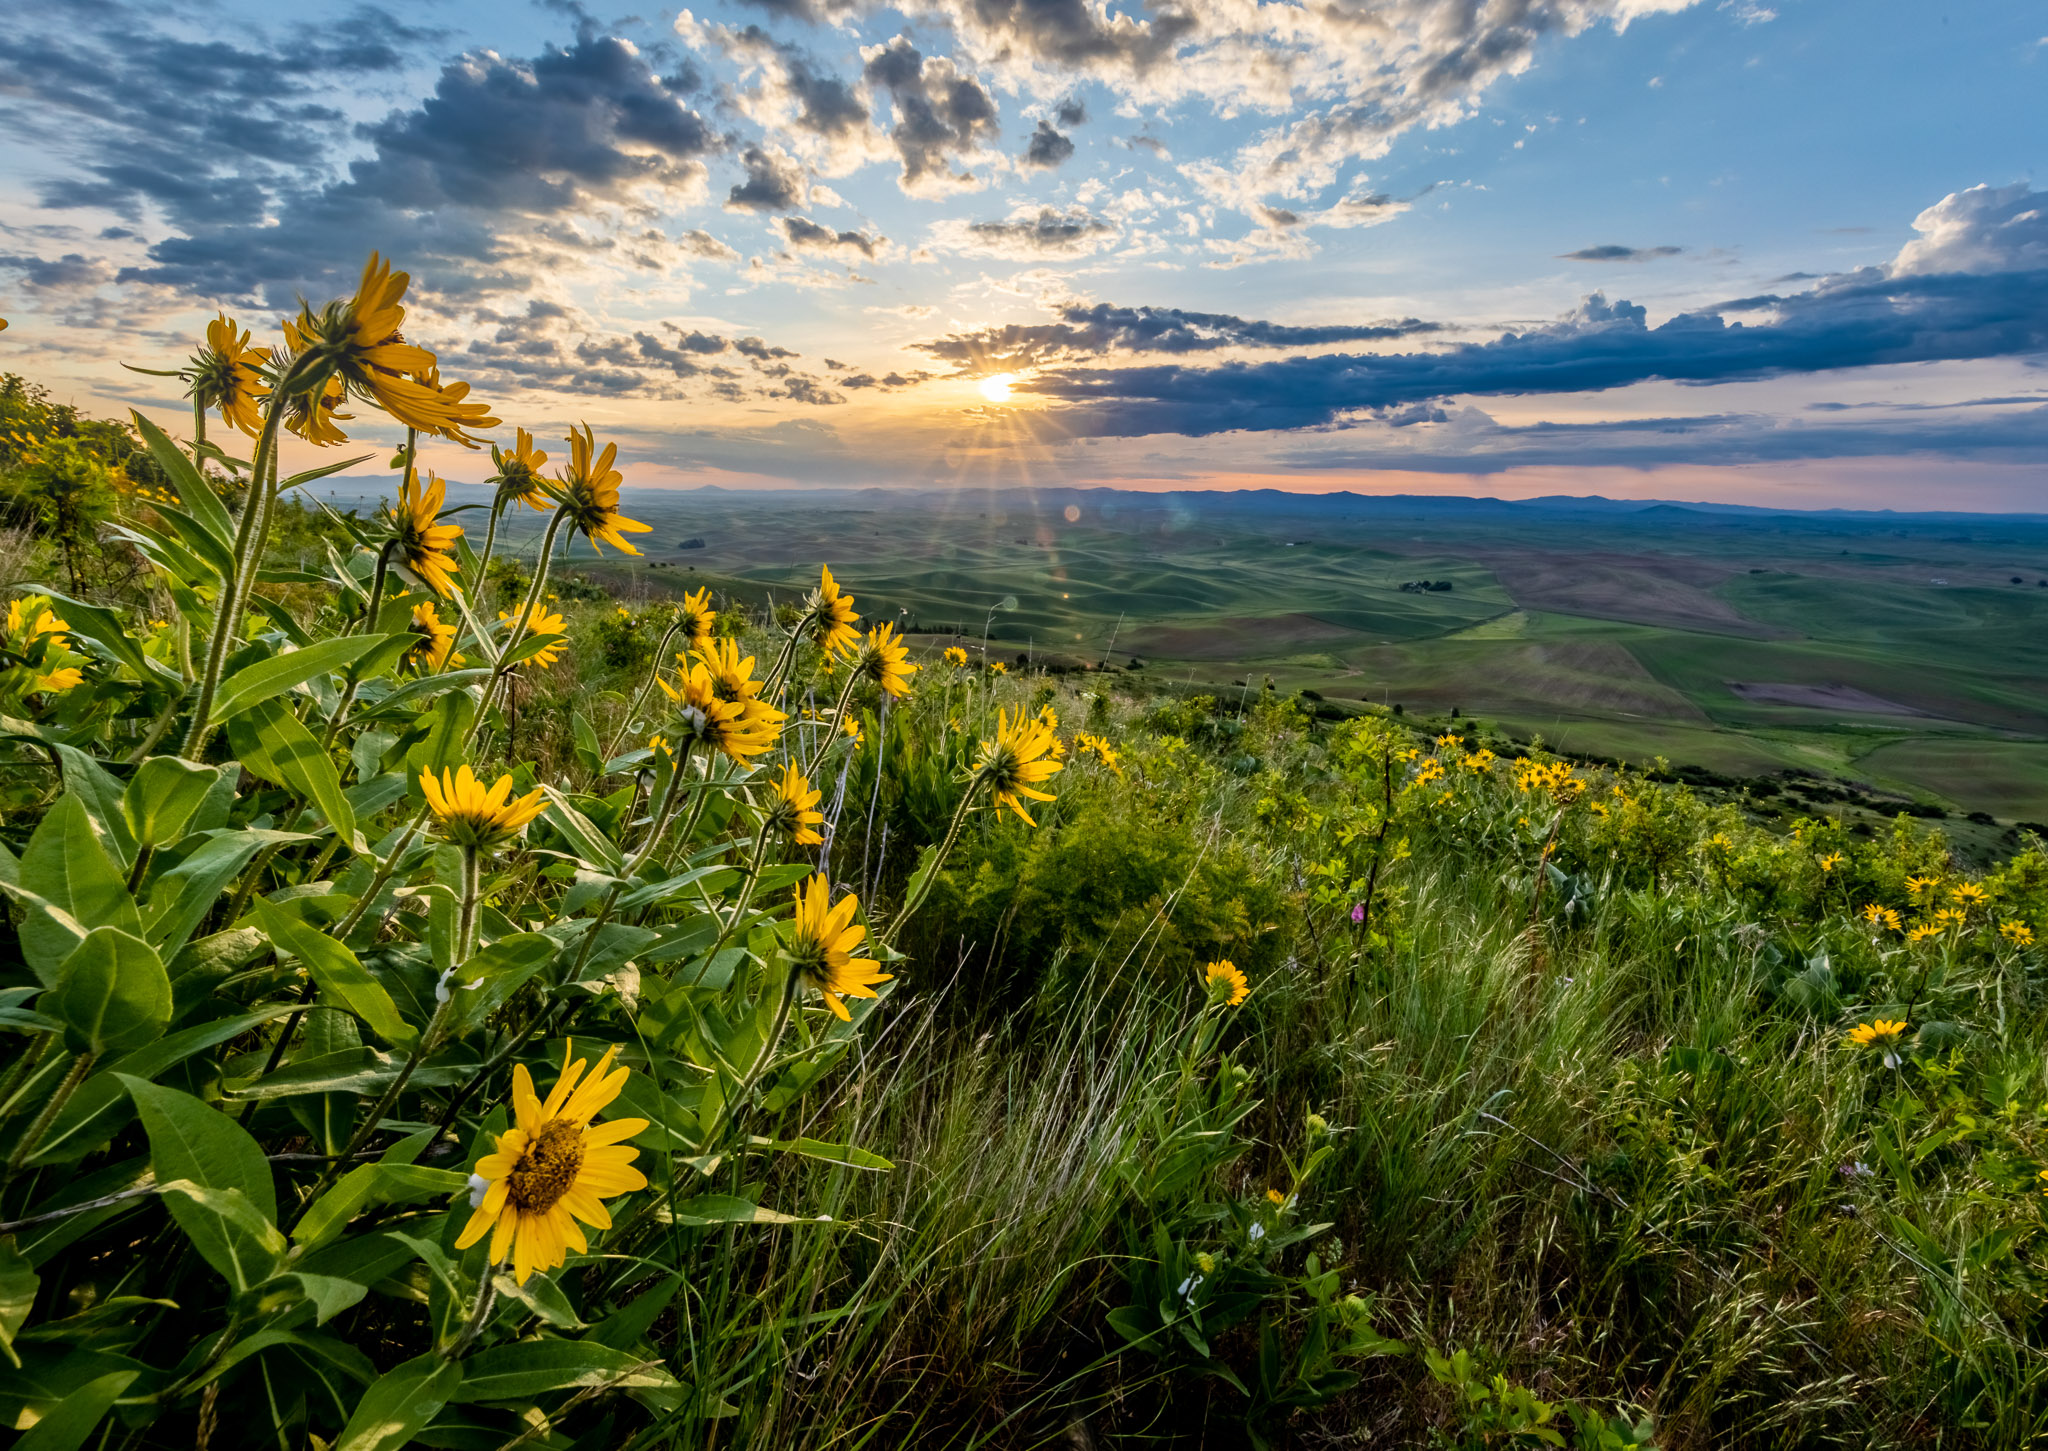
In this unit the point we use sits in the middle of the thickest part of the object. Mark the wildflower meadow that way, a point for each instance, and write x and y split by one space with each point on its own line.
446 1010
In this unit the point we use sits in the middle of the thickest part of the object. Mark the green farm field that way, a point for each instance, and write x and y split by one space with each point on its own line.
1905 654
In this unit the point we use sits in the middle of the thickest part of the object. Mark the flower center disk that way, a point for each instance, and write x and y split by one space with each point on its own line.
547 1169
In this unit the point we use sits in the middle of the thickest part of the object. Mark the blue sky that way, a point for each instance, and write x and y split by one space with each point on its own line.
1791 252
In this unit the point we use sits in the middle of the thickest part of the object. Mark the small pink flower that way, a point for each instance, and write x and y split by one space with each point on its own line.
1358 912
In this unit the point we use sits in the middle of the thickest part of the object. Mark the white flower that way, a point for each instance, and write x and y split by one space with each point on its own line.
1188 1287
1256 1233
478 1187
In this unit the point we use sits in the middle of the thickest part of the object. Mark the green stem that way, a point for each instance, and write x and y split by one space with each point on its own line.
520 623
79 1068
771 684
646 689
429 1040
383 875
348 695
923 884
199 436
486 1297
483 565
250 538
746 894
472 891
838 720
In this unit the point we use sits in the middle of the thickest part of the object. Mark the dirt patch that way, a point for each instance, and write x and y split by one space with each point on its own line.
1640 589
1582 677
1271 638
1844 698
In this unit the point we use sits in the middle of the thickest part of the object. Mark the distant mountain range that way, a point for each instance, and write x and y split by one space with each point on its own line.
1239 503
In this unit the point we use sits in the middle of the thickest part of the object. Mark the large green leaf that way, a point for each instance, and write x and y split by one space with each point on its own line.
180 899
191 1140
194 492
101 795
162 796
590 844
400 1404
271 742
529 1368
268 679
66 866
104 629
343 980
447 726
370 1185
112 994
18 1282
229 1232
78 1415
497 972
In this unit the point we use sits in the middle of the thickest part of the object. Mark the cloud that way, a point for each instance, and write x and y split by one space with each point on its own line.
1071 112
1047 147
492 180
72 272
943 115
1983 229
1870 317
1028 234
774 183
1087 330
1613 252
806 235
796 99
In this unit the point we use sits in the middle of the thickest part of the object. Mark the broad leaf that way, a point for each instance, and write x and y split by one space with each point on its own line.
529 1368
271 742
400 1403
229 1232
365 1187
190 1140
163 796
272 677
112 994
66 866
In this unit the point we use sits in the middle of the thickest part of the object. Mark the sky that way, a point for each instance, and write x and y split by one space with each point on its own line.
1778 252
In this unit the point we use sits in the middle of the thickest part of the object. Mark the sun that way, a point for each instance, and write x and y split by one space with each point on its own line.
997 388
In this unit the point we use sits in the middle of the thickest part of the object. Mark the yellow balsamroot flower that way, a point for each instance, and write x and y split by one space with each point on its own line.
423 542
852 728
822 941
1275 1197
312 414
517 477
1917 885
955 656
29 617
731 677
884 659
1222 981
471 816
997 667
539 622
1880 1033
355 346
1480 760
791 808
437 650
56 682
1099 748
1049 717
1017 760
1922 932
829 615
1832 860
1968 894
1720 841
1878 916
700 620
2019 934
741 729
227 374
1950 917
590 494
552 1168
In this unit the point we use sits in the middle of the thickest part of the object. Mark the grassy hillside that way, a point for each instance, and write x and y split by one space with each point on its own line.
533 1016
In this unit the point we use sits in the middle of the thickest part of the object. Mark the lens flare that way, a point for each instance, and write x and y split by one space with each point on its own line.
997 389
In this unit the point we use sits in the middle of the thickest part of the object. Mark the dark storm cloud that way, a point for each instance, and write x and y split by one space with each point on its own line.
56 274
775 182
1071 112
942 114
500 152
1047 148
1093 330
1613 252
1475 444
1859 319
806 235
